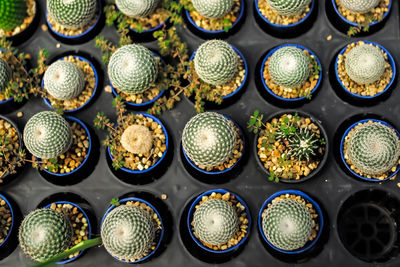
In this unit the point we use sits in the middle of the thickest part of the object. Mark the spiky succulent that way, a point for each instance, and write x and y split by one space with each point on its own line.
72 14
128 232
215 222
373 148
287 224
365 64
216 62
5 74
289 67
359 6
12 14
45 233
137 8
213 9
132 69
47 135
303 144
209 139
288 7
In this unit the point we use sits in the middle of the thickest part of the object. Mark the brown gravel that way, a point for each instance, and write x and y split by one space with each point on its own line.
275 18
5 220
9 146
236 81
31 11
375 14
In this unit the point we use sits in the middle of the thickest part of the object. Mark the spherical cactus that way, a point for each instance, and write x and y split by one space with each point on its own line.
209 139
289 67
5 74
72 14
128 232
365 64
287 224
45 233
137 8
132 69
373 148
359 6
137 139
288 7
215 222
303 144
64 80
213 9
12 14
216 62
47 135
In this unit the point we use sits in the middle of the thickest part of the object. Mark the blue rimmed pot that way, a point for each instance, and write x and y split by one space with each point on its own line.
147 35
8 245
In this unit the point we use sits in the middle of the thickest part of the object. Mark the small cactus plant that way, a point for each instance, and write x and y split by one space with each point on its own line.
47 135
137 8
216 62
137 139
303 144
64 80
359 6
288 7
12 14
45 233
132 69
5 74
213 9
209 139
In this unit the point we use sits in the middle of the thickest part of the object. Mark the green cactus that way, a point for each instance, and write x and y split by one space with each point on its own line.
373 148
365 64
359 6
128 232
213 9
47 135
12 14
72 14
137 8
132 69
288 7
303 144
209 139
287 224
64 80
216 62
5 74
289 67
45 233
215 222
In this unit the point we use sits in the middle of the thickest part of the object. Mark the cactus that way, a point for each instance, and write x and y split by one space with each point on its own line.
303 144
72 14
137 139
128 232
289 67
64 80
288 7
215 222
137 8
5 74
213 9
287 224
373 148
132 69
216 62
12 14
45 233
209 139
359 6
47 135
365 64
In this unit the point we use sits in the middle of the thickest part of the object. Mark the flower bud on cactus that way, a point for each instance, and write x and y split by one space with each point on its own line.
359 6
137 8
5 74
12 14
288 7
213 9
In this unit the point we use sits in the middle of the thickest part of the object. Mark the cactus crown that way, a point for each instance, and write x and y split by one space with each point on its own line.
365 64
373 148
288 7
289 67
209 139
45 233
213 9
303 144
132 69
12 14
137 8
5 74
137 139
47 135
216 62
359 6
287 224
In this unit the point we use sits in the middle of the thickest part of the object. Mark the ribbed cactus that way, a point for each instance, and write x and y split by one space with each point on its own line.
12 14
303 144
137 8
5 74
47 135
289 67
132 69
72 14
359 6
213 9
45 233
288 7
216 62
373 148
64 80
215 222
365 64
128 232
287 224
209 139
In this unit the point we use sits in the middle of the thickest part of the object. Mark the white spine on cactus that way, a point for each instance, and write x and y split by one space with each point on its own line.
359 6
213 9
288 7
5 74
137 8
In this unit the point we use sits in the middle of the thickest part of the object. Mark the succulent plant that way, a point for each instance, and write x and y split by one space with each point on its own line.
45 233
365 64
137 139
287 224
213 9
215 222
72 14
373 148
5 74
128 232
64 80
216 62
289 67
12 14
288 7
303 144
132 69
137 8
209 139
47 135
359 6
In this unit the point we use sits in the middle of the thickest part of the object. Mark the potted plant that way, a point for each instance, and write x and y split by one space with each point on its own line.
10 216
